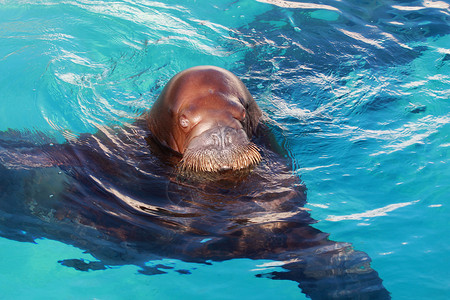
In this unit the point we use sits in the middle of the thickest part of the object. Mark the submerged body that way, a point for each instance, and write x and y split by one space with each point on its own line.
113 197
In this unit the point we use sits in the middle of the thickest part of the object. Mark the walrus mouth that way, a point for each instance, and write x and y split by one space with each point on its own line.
211 159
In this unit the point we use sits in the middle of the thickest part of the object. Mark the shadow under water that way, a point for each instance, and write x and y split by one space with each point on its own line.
110 195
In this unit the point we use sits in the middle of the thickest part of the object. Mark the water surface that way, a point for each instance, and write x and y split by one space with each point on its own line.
357 93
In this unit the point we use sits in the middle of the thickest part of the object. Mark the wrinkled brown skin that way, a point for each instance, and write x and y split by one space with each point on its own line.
200 99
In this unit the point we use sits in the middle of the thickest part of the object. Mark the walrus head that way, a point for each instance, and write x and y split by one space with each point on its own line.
208 116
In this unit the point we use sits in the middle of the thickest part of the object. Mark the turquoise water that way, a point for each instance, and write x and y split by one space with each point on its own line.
357 90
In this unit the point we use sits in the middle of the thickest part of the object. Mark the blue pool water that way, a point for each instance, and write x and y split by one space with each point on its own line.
358 93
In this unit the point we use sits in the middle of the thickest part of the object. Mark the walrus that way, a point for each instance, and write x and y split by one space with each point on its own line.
118 195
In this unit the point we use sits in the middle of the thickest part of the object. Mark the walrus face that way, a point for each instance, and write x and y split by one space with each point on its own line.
208 116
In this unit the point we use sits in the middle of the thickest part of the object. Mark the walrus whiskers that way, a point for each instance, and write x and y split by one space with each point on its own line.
215 160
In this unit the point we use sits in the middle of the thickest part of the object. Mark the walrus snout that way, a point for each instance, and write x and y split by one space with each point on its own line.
219 149
220 138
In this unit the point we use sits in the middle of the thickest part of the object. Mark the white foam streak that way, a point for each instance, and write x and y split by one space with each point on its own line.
301 5
408 8
436 4
371 213
426 4
302 170
361 38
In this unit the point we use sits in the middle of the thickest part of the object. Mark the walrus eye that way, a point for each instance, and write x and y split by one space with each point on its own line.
184 122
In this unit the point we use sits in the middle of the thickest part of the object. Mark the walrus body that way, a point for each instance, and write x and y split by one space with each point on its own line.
125 205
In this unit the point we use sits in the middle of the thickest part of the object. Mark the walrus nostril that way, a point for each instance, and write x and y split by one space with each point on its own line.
228 139
215 140
221 139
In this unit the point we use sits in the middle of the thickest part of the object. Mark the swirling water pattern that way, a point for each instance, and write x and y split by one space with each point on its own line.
357 91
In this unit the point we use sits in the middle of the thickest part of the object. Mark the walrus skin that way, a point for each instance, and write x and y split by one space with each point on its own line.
111 196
